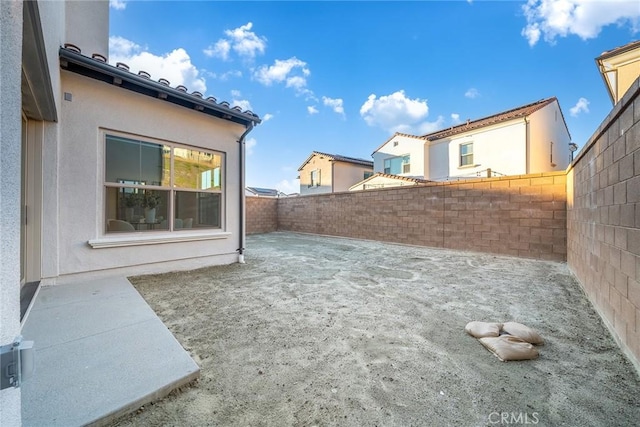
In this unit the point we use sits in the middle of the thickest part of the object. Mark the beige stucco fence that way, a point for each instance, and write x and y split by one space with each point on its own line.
588 217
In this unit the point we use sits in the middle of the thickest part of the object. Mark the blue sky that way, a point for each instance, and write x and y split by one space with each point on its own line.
342 77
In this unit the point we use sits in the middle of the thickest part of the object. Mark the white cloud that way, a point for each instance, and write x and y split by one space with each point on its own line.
267 117
312 110
220 50
118 4
472 93
455 118
236 93
289 186
335 104
428 127
241 40
249 144
582 106
242 103
584 18
396 112
174 66
293 72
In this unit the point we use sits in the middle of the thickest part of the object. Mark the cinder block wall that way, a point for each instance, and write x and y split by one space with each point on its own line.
262 214
604 221
517 215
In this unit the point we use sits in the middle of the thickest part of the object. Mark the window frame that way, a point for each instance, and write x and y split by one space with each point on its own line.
171 189
403 164
462 157
314 182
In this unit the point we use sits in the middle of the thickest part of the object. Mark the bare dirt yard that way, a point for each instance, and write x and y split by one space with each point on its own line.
317 331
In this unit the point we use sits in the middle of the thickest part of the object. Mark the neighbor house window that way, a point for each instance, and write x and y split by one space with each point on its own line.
368 175
315 178
466 154
397 165
151 186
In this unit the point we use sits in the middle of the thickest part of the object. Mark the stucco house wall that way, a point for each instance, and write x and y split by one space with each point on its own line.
87 26
401 145
545 126
502 148
10 146
95 108
323 164
347 174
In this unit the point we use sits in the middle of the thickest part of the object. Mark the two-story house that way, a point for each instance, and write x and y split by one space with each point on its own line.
330 173
532 138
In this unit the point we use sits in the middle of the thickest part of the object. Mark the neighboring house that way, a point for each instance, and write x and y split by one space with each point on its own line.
532 138
120 174
620 67
402 155
383 180
330 173
263 192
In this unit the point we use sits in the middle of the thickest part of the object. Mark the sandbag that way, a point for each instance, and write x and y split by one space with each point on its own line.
523 332
483 329
509 347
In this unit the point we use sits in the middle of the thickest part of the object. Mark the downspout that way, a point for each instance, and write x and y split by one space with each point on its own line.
241 144
527 147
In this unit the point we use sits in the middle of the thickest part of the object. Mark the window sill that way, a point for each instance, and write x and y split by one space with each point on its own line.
468 166
154 239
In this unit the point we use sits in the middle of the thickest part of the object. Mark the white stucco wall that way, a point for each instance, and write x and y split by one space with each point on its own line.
501 148
438 159
52 17
88 26
412 146
96 106
10 147
547 125
347 174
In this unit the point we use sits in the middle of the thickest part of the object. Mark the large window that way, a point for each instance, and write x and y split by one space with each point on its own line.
150 186
397 165
466 154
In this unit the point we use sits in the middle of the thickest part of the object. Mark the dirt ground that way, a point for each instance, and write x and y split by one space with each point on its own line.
316 331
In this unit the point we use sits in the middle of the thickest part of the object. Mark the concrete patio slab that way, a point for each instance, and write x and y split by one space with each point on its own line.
100 352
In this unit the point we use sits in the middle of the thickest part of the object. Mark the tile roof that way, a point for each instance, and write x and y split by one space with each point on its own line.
620 49
338 158
96 67
417 181
504 116
264 191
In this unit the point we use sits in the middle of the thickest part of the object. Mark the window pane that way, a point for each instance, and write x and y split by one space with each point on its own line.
136 162
466 149
133 209
197 170
197 210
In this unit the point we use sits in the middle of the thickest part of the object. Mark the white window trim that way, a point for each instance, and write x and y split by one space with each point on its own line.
472 164
140 239
163 236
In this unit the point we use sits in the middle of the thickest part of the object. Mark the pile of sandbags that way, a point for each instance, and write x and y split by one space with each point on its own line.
507 341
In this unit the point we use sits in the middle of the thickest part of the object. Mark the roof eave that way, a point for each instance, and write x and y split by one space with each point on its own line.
80 64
